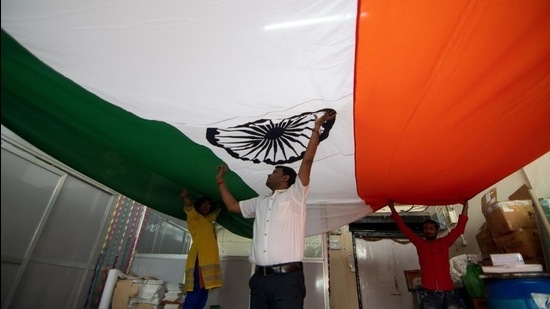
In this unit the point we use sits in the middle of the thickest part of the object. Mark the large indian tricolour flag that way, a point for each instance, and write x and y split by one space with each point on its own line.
436 101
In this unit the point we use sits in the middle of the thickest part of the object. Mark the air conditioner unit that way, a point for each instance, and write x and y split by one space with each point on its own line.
381 225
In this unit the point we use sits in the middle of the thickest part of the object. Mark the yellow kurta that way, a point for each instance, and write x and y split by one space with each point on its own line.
205 246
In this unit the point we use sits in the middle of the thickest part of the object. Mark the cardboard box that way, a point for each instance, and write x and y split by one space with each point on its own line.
521 194
523 241
537 260
485 240
489 198
508 216
125 289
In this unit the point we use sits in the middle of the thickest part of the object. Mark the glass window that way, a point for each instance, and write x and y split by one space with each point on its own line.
163 234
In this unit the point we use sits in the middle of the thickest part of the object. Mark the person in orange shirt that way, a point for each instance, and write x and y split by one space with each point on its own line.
438 290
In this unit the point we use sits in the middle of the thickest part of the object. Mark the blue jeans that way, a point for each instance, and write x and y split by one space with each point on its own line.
197 298
430 299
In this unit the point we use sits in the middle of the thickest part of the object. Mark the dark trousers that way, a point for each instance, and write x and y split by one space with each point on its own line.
430 299
277 291
197 298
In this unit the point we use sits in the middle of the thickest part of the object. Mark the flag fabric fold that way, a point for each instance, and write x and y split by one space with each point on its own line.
435 101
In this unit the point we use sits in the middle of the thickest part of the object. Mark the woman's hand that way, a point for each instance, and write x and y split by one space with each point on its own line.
222 169
184 193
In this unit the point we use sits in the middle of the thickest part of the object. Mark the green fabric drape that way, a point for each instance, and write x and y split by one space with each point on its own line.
147 161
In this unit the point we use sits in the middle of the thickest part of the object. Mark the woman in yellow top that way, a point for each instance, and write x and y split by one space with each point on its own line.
202 270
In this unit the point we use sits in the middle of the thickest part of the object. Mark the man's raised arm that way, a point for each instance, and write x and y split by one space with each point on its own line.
228 199
311 149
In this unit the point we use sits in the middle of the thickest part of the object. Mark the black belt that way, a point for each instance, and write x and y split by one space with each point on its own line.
279 268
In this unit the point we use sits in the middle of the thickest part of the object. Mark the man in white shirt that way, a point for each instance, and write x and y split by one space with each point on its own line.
279 230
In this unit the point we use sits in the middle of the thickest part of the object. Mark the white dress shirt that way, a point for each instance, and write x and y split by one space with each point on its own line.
279 225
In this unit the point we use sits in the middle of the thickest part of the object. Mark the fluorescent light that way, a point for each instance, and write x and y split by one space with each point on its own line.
307 22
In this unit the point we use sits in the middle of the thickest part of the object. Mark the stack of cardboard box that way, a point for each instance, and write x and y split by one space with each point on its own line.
174 295
485 241
138 293
510 227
